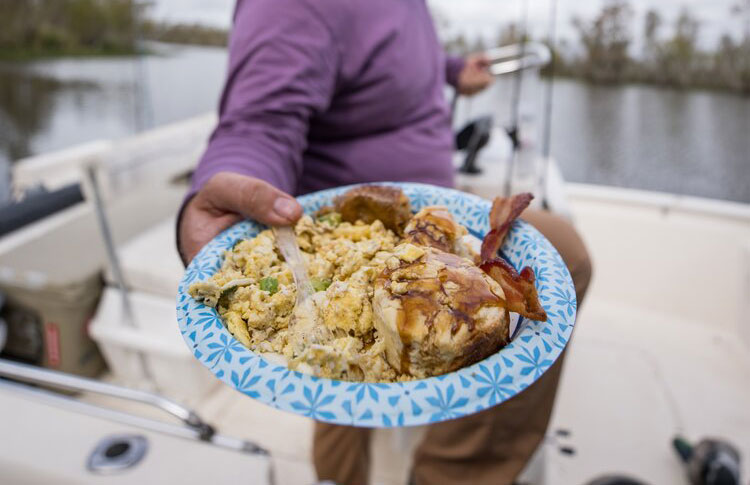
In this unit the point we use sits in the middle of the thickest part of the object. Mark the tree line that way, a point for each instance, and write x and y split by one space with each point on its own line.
669 54
604 51
31 28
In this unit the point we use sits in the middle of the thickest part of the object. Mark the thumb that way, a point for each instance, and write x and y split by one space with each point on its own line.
252 198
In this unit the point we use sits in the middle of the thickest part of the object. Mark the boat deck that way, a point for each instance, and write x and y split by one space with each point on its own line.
632 381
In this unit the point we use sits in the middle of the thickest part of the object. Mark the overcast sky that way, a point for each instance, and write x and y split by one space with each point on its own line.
485 17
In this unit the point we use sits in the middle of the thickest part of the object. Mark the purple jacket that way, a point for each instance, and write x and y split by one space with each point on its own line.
322 93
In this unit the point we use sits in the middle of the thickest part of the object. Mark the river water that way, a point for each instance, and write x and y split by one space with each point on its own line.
687 142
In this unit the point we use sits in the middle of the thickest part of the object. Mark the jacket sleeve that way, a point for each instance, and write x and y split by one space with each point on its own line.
453 67
283 61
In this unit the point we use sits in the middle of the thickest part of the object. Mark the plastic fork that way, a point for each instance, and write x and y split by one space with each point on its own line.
287 244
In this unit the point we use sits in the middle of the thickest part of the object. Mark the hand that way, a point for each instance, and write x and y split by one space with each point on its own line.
227 198
475 76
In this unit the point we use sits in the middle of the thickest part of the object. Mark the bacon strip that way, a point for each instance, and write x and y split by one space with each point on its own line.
520 293
504 212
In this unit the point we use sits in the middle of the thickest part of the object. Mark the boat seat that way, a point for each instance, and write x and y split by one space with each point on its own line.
150 262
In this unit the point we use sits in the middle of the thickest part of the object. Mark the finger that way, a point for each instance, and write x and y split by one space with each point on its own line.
198 225
199 230
483 61
252 198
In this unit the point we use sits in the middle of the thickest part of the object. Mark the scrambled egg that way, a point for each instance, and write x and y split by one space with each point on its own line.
254 293
383 308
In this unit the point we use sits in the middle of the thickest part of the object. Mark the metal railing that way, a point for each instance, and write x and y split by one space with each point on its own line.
199 429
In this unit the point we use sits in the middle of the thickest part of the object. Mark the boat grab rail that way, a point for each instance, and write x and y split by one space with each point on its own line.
516 57
31 374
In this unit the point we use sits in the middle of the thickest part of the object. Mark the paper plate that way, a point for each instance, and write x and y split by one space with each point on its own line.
533 349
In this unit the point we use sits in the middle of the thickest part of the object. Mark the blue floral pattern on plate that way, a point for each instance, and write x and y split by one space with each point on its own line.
534 348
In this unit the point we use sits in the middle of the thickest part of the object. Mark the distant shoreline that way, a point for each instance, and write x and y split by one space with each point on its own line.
678 88
45 55
48 29
183 38
189 35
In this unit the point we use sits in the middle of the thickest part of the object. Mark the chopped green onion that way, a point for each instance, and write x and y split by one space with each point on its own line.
332 218
269 284
319 284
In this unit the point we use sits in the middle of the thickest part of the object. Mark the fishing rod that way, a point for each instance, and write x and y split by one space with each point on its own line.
513 129
548 97
142 112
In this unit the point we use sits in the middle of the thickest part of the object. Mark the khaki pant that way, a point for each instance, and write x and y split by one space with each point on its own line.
490 447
